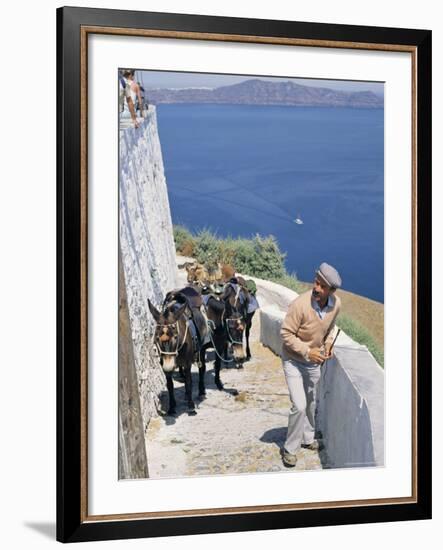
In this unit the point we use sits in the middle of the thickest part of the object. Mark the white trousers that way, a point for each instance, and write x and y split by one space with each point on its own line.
302 381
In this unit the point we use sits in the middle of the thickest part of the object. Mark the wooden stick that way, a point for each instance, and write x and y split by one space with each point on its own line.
333 342
332 345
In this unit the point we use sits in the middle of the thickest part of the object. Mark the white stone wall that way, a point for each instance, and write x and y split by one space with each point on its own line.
147 247
351 409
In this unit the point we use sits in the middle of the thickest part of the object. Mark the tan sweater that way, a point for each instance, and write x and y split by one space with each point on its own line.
303 329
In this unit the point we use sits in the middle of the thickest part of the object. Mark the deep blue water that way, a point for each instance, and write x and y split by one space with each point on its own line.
242 170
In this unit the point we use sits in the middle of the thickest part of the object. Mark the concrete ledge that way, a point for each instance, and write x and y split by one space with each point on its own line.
273 294
271 319
361 441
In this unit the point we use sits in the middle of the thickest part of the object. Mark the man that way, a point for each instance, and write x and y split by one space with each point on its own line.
307 333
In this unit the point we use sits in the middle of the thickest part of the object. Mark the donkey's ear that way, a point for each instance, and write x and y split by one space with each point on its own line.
154 311
226 292
180 310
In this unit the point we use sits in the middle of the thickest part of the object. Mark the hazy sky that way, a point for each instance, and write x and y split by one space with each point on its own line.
169 79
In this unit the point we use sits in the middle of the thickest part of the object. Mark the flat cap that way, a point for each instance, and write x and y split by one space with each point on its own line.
330 275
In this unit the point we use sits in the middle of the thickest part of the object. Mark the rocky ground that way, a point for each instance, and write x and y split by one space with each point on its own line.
231 434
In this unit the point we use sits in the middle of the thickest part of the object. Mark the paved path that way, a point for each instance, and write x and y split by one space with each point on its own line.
230 434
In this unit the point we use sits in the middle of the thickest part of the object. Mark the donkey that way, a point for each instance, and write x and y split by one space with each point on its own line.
197 273
218 336
202 274
240 303
178 344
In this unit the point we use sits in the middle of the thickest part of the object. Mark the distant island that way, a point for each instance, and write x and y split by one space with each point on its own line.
263 92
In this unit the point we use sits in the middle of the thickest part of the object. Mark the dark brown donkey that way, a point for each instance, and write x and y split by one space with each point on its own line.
240 304
180 329
220 330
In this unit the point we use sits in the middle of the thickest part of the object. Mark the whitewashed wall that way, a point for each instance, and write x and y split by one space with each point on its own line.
147 247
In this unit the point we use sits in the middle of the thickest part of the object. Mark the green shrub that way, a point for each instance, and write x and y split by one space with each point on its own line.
181 236
268 261
242 252
188 248
226 251
259 257
358 333
207 248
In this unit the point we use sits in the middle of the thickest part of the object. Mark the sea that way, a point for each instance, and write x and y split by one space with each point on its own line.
240 170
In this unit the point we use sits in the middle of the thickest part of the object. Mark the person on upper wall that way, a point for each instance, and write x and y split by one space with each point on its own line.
128 95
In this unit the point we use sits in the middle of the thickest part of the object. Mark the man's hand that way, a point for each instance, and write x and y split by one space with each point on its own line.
316 356
328 351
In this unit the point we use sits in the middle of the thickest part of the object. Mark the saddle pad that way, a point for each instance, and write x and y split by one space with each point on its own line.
239 291
193 331
187 295
197 337
253 304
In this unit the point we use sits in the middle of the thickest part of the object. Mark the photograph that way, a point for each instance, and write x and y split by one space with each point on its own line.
220 229
244 246
250 274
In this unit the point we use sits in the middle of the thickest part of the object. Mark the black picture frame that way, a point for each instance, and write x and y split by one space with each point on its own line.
73 523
